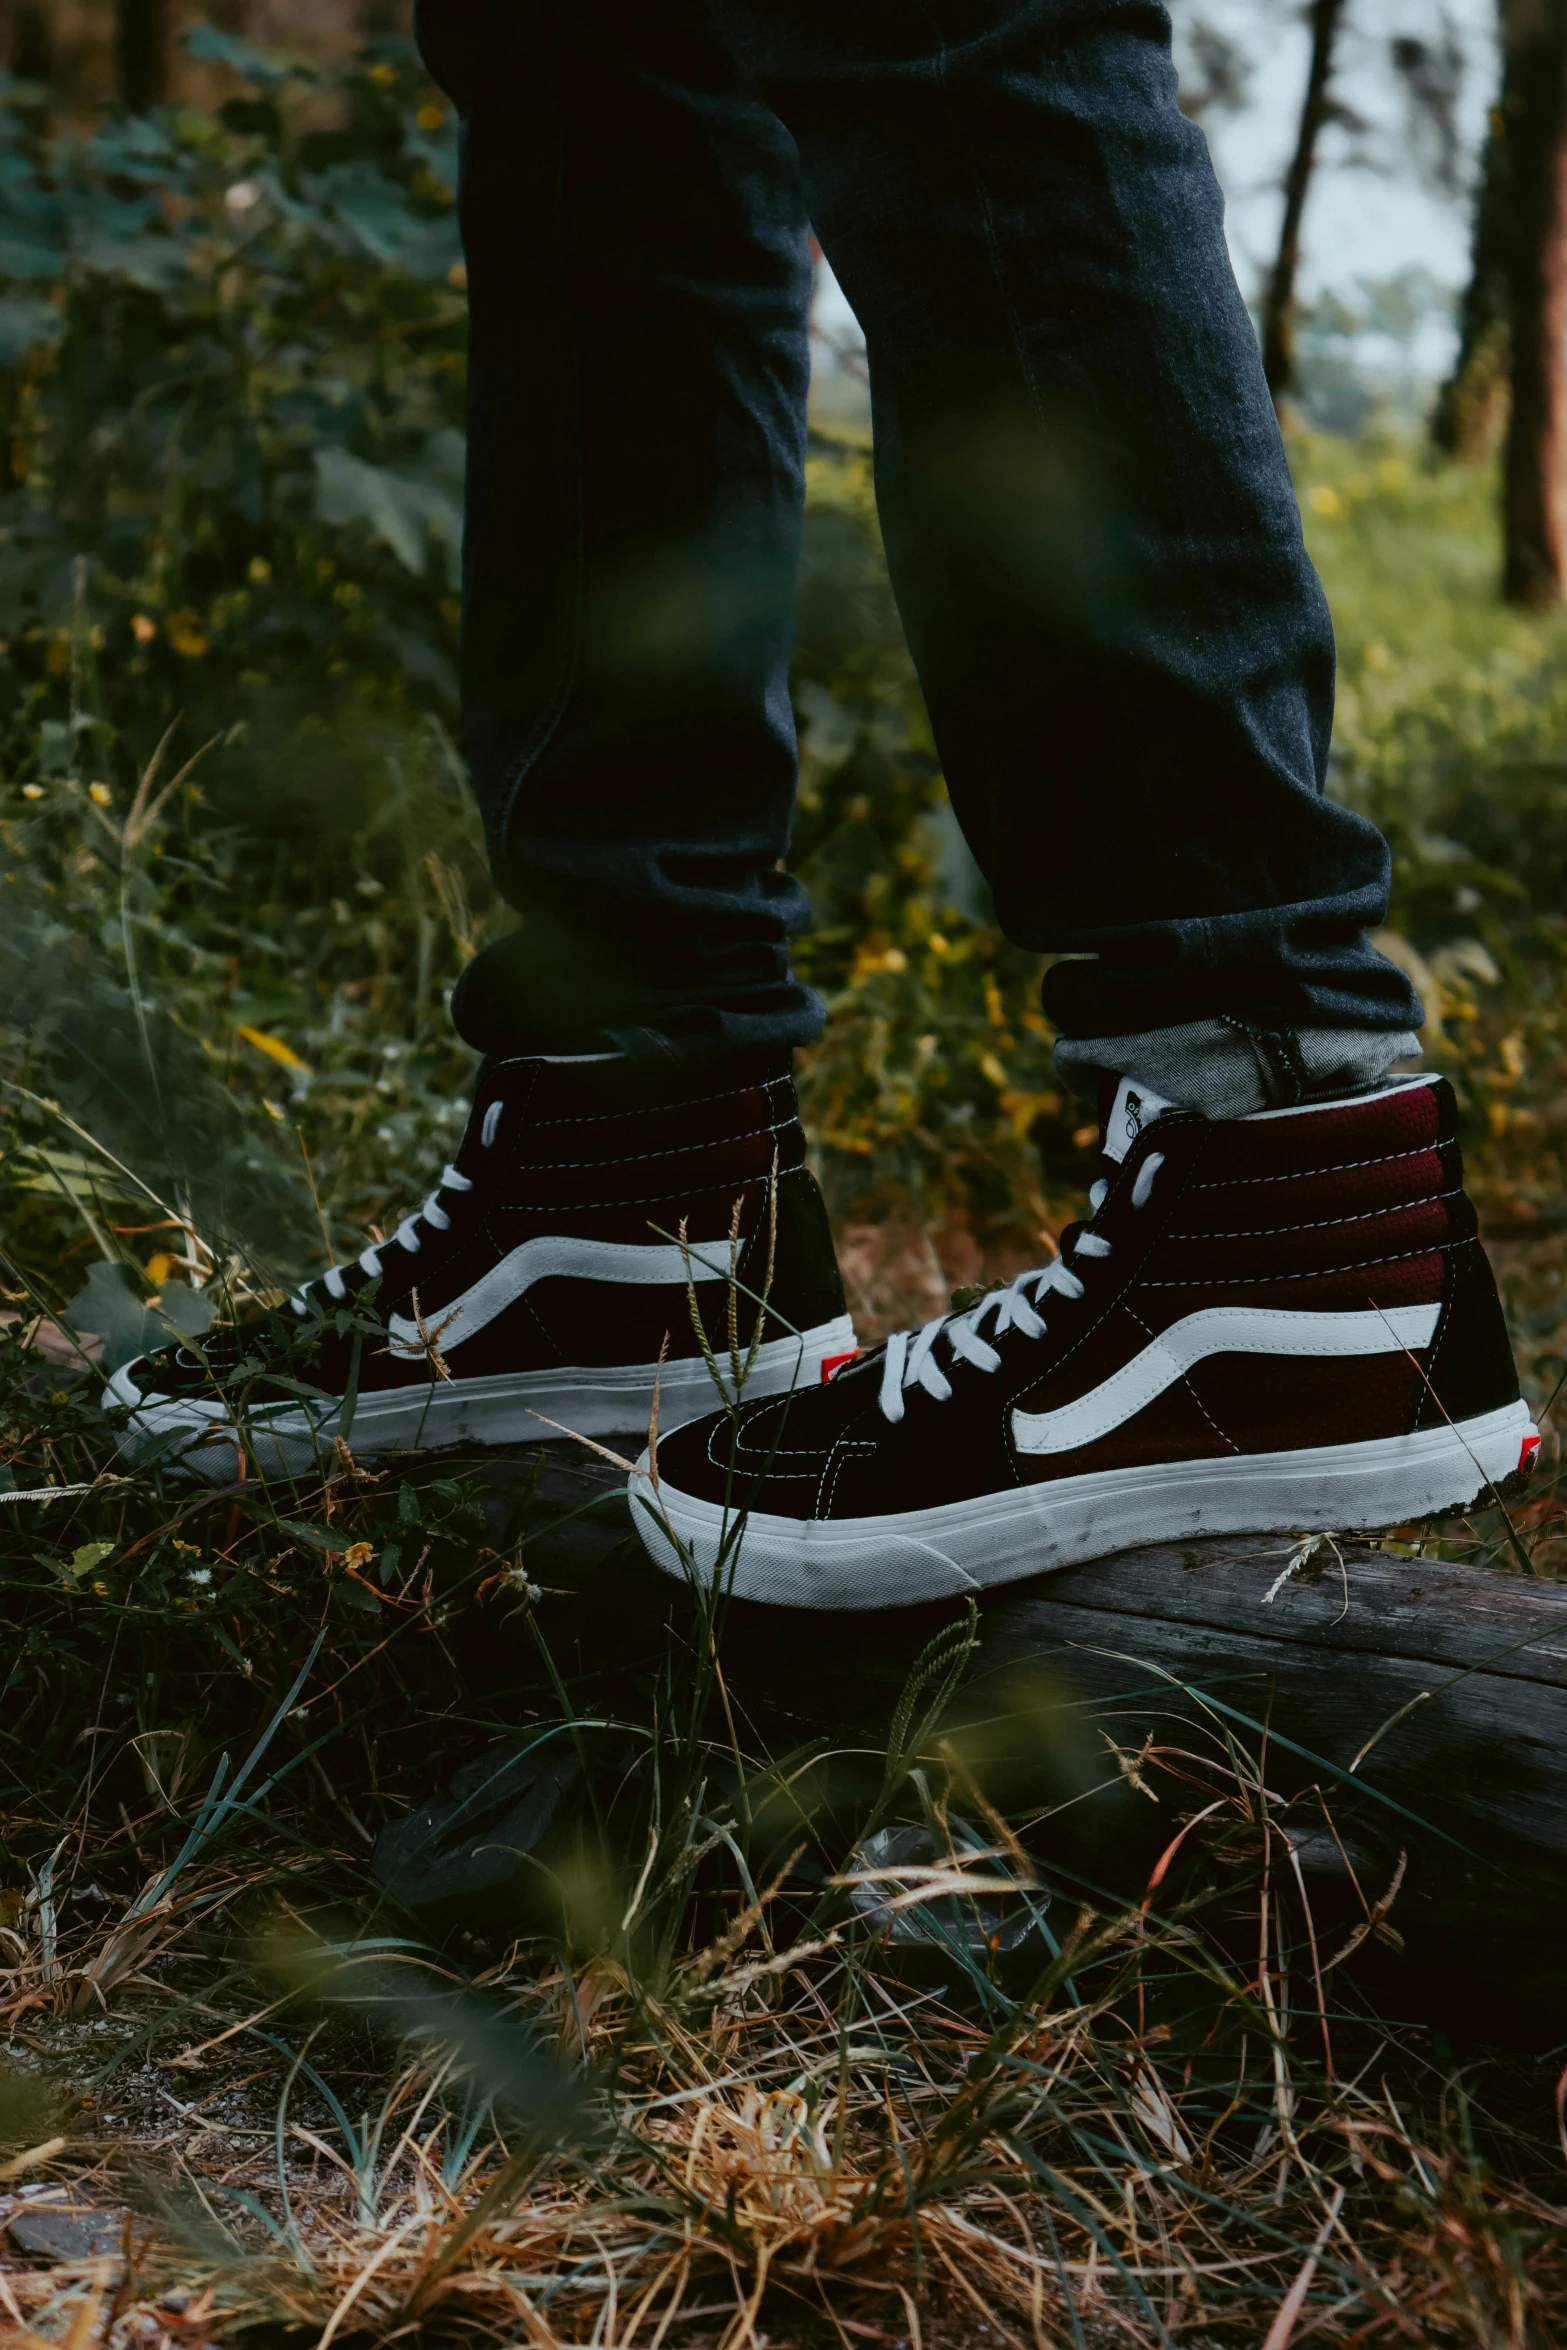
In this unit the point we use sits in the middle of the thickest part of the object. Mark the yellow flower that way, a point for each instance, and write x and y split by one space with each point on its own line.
1392 474
386 75
260 570
895 960
431 115
1378 657
32 791
99 794
185 635
143 627
359 1554
158 1268
1326 502
457 276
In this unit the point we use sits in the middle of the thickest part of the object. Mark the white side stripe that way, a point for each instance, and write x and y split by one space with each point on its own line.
653 1265
1218 1330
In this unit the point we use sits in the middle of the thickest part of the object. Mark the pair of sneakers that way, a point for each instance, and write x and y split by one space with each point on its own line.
1278 1323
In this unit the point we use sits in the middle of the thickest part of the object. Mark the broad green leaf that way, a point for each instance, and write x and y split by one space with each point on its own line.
83 1561
406 514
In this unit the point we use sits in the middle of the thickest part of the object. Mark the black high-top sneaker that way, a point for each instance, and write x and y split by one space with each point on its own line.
1271 1324
537 1283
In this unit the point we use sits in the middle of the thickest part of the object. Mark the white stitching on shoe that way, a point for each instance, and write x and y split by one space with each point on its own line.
1424 1150
647 1199
1427 1393
662 1109
1366 1216
1223 1434
718 1428
1408 1256
843 1450
677 1150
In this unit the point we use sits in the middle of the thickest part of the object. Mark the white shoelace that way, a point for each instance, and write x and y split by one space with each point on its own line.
911 1357
407 1234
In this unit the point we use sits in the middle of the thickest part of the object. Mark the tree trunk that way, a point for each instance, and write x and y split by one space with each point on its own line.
142 53
1278 309
1425 1702
32 52
1471 406
1534 523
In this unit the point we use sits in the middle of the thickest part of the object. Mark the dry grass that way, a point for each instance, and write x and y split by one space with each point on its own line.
753 2118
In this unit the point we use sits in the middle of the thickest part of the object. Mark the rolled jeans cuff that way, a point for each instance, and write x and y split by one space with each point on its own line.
1228 1068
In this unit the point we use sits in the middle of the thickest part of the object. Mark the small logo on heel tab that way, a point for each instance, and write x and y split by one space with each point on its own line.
1134 1110
1526 1453
831 1363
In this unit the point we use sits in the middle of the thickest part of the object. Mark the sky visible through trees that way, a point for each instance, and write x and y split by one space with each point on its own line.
1391 191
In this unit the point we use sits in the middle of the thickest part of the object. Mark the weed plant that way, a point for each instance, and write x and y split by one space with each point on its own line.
724 2065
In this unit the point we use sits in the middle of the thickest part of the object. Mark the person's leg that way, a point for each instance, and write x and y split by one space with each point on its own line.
639 283
639 274
1274 1318
1092 531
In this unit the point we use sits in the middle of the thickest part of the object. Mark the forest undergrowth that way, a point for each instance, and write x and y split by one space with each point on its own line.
725 2065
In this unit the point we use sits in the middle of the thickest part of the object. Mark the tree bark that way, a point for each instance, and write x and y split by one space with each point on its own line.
1425 1702
142 53
1534 521
1278 309
31 50
1471 407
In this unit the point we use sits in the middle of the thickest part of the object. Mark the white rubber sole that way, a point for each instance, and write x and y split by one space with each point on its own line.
961 1547
289 1440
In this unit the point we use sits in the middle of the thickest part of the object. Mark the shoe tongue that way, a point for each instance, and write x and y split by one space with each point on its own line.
1134 1108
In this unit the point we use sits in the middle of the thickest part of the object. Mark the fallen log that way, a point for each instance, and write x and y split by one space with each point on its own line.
1424 1702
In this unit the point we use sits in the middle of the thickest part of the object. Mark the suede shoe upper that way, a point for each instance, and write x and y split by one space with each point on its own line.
1211 1245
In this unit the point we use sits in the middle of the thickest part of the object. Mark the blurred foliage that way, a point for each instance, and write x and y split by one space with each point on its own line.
1452 734
231 384
231 380
230 398
935 1070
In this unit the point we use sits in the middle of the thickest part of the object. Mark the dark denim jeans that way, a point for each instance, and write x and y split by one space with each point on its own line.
1090 526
